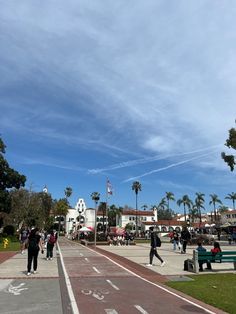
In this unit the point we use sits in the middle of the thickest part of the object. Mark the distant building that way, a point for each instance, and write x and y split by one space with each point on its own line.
75 216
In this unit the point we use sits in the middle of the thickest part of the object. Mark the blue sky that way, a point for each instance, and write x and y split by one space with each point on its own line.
129 90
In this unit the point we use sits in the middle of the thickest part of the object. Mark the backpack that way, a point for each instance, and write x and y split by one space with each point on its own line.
158 242
33 245
52 239
188 265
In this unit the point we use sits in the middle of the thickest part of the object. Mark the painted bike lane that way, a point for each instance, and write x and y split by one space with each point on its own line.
101 285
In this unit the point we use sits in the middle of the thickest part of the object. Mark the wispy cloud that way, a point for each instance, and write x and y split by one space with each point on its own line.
167 167
118 84
147 160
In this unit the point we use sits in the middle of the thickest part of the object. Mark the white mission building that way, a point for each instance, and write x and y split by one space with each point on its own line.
79 216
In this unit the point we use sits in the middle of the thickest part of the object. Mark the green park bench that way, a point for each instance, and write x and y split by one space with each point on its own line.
221 257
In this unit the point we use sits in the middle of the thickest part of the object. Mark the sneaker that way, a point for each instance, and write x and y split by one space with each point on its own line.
35 272
50 258
162 264
28 274
149 265
47 258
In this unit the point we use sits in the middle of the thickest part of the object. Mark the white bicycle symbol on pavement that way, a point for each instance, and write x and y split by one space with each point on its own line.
97 294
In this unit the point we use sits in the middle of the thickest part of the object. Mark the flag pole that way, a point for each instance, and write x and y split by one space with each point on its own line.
106 207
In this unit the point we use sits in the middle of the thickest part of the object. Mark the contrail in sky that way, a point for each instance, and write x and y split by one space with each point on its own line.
165 168
145 160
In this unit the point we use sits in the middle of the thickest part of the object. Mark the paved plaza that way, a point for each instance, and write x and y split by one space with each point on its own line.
105 279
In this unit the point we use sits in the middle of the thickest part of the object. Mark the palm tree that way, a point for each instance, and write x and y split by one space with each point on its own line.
213 201
68 192
136 187
144 206
95 197
232 197
61 209
193 212
185 200
169 197
161 206
199 201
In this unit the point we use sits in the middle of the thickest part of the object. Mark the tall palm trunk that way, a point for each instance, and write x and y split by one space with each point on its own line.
136 221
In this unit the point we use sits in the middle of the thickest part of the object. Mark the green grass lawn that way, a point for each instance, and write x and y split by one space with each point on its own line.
13 246
218 290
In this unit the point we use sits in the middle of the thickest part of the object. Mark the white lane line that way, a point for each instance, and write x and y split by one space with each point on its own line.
112 284
86 259
140 309
75 309
96 270
111 311
154 284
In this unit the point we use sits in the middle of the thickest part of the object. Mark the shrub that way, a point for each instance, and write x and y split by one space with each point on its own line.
9 230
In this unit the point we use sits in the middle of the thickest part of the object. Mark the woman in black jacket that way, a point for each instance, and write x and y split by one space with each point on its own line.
34 245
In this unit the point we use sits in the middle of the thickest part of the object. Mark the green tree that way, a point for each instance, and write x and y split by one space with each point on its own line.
232 197
199 201
231 144
185 200
31 208
9 179
136 187
213 201
61 210
163 213
114 214
169 197
193 212
103 207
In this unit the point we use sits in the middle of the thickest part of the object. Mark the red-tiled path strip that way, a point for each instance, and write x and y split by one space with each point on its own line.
134 267
6 255
153 277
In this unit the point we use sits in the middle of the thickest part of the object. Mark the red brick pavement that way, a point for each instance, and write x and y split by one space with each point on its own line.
134 267
6 255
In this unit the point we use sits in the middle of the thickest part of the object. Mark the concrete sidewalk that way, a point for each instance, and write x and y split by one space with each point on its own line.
37 293
174 265
16 267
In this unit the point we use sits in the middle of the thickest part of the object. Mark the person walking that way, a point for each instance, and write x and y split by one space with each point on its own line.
50 245
155 242
175 240
24 233
34 245
185 237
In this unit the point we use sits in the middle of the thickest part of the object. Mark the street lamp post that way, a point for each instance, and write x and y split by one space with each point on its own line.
95 226
96 197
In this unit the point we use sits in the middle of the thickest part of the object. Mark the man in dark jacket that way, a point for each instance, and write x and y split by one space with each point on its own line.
154 244
185 237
